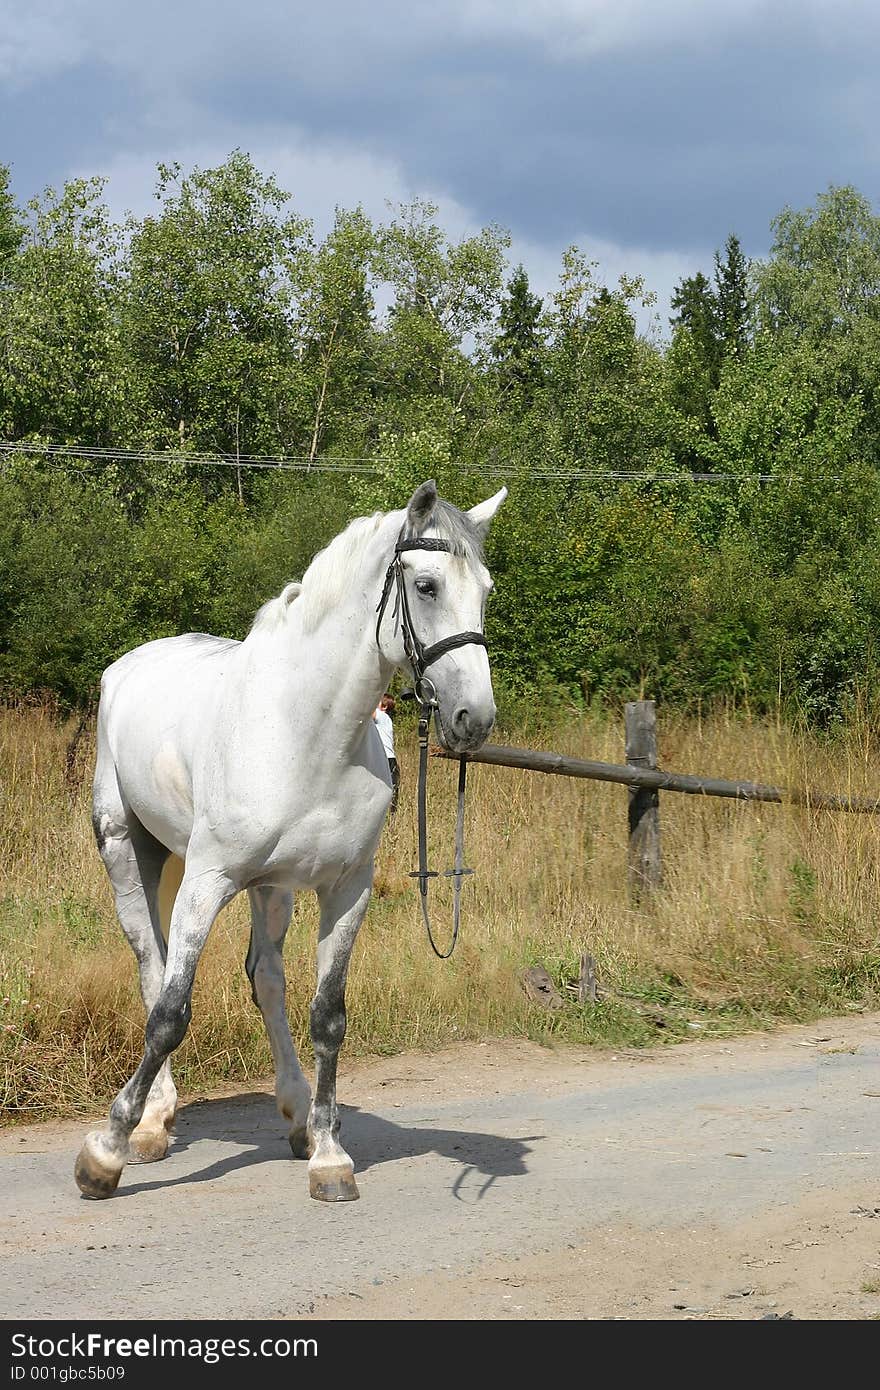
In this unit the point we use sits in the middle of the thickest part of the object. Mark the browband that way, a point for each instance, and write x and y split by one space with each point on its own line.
418 543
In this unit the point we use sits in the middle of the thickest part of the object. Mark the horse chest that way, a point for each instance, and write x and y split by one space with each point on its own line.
319 841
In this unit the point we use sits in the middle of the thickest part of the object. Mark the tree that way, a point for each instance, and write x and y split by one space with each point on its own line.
11 236
823 275
336 334
58 335
206 312
732 309
696 311
11 226
445 299
519 343
710 327
604 393
819 295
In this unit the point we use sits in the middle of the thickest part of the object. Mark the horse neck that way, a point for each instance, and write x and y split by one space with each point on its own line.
338 665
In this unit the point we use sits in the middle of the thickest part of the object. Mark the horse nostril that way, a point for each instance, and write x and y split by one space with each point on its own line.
461 721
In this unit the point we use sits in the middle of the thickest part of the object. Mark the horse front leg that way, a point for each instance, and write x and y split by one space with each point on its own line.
331 1171
105 1152
271 910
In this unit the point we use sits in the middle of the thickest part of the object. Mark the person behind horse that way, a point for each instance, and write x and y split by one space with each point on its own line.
382 717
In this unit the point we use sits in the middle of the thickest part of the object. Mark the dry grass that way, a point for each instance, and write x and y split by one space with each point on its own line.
767 912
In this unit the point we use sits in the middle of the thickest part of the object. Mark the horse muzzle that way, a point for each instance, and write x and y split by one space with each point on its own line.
467 728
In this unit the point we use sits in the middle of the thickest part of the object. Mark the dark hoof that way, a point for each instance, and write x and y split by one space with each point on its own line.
94 1180
300 1143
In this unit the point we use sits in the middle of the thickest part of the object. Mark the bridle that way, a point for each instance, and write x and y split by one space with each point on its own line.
420 658
418 655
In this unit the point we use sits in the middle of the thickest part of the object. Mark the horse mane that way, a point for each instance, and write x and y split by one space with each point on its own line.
274 611
329 576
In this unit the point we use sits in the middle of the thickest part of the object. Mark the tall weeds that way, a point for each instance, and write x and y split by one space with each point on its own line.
767 912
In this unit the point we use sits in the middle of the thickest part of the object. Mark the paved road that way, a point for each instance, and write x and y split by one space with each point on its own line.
480 1158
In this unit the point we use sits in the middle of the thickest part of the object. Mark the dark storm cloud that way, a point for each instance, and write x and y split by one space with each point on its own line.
661 149
658 126
67 124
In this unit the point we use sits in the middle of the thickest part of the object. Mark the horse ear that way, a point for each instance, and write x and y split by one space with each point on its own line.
421 506
483 512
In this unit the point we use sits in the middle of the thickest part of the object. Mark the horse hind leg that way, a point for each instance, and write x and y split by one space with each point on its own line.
203 892
149 1141
271 910
134 861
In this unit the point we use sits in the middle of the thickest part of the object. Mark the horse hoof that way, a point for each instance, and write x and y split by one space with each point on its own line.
300 1143
333 1185
97 1174
148 1145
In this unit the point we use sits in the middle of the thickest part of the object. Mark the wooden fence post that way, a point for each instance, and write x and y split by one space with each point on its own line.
645 868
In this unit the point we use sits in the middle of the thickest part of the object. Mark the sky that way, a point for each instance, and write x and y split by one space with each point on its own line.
642 131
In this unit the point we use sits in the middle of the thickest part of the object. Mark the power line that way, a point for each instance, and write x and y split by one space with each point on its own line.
369 464
196 460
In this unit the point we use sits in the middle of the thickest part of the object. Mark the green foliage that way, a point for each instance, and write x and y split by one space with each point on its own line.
205 314
337 342
221 325
11 225
732 299
822 275
519 344
697 315
710 327
819 295
65 575
58 331
444 294
602 402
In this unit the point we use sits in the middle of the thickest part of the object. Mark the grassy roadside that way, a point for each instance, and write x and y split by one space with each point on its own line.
767 914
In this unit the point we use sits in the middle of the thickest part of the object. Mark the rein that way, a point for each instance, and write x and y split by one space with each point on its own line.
420 658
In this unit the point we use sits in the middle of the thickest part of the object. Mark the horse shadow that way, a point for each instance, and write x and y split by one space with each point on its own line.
371 1139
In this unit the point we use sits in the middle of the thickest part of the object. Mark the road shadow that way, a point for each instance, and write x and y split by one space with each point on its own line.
371 1140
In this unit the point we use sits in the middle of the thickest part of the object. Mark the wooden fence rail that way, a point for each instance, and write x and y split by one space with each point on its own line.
645 781
499 755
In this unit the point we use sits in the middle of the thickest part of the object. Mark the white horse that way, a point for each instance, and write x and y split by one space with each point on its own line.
258 764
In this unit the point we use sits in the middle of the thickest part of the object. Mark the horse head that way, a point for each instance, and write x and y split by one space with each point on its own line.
437 633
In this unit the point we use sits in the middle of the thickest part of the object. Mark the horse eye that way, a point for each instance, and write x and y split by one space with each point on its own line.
426 587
